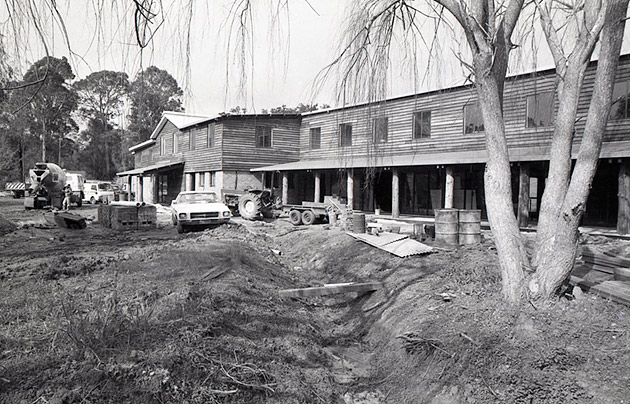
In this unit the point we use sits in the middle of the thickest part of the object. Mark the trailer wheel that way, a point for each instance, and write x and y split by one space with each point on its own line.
308 217
295 217
249 206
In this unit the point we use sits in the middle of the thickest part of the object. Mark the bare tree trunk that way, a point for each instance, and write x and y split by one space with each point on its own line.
43 141
498 190
556 263
623 211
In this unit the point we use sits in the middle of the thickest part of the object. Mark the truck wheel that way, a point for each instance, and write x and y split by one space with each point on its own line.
180 228
308 217
92 200
79 202
295 217
174 219
249 206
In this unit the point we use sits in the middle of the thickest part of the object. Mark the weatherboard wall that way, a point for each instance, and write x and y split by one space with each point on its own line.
447 122
239 142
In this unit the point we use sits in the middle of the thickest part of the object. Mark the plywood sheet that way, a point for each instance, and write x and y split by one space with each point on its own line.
398 244
380 240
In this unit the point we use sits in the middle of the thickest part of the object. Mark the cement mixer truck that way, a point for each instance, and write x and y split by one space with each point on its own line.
46 188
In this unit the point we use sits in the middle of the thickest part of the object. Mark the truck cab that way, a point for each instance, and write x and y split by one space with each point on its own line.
98 191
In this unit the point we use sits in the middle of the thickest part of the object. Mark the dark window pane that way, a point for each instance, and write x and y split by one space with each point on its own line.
473 121
345 134
421 124
316 138
540 110
263 136
380 129
620 94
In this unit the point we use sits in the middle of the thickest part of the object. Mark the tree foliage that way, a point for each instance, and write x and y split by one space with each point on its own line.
152 92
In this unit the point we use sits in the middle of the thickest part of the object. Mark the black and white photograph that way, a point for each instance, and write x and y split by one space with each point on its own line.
314 201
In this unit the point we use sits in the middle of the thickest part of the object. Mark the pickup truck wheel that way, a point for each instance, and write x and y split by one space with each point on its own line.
92 200
295 217
180 228
308 217
174 219
249 206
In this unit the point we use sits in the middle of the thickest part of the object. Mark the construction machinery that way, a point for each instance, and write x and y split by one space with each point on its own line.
46 188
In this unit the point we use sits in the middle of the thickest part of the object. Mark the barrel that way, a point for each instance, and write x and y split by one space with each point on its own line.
358 222
469 226
446 226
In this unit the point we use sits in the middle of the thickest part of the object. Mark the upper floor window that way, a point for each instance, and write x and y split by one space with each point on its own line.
620 108
345 134
191 140
162 145
473 121
421 124
379 130
175 143
540 110
263 136
210 135
316 138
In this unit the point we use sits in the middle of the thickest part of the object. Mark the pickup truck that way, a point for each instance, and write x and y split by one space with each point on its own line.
98 191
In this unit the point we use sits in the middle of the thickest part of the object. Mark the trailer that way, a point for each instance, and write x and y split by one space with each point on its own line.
17 189
310 212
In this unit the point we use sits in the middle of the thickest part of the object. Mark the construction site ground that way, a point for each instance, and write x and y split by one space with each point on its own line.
101 316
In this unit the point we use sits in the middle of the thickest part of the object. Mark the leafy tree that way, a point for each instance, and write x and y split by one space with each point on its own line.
48 101
152 92
300 108
102 95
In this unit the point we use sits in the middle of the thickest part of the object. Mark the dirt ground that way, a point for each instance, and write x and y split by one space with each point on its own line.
99 316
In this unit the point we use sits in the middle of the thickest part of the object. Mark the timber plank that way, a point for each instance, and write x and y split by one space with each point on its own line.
332 289
617 291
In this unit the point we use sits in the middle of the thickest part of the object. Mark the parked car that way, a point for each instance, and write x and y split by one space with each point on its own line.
98 191
198 208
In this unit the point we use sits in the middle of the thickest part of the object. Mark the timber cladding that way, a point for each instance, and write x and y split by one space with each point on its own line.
446 109
240 151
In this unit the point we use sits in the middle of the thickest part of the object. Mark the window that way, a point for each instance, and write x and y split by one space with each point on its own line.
162 146
379 130
263 136
620 108
421 124
316 138
539 110
191 140
175 143
210 135
473 121
201 181
345 134
211 178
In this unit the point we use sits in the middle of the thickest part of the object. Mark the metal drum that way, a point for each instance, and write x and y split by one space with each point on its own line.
469 226
358 222
446 226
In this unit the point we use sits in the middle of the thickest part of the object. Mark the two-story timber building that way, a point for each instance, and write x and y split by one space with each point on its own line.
192 152
404 155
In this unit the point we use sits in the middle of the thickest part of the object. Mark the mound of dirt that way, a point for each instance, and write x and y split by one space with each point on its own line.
6 226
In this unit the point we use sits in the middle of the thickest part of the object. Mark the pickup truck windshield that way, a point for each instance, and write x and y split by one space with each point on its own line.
198 198
104 187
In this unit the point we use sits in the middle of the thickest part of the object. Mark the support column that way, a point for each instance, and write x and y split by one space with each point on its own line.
449 188
523 195
190 181
285 188
395 193
140 193
350 188
206 180
371 196
318 182
623 196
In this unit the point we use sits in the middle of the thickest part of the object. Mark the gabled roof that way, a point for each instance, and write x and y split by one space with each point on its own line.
179 119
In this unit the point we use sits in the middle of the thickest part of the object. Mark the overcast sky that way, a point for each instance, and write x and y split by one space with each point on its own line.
287 55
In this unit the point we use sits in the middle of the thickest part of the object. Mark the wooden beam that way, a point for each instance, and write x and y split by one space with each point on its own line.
623 196
318 185
332 289
617 291
285 187
523 195
395 193
350 188
449 188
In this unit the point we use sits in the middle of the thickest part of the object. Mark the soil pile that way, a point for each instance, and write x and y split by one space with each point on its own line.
6 226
